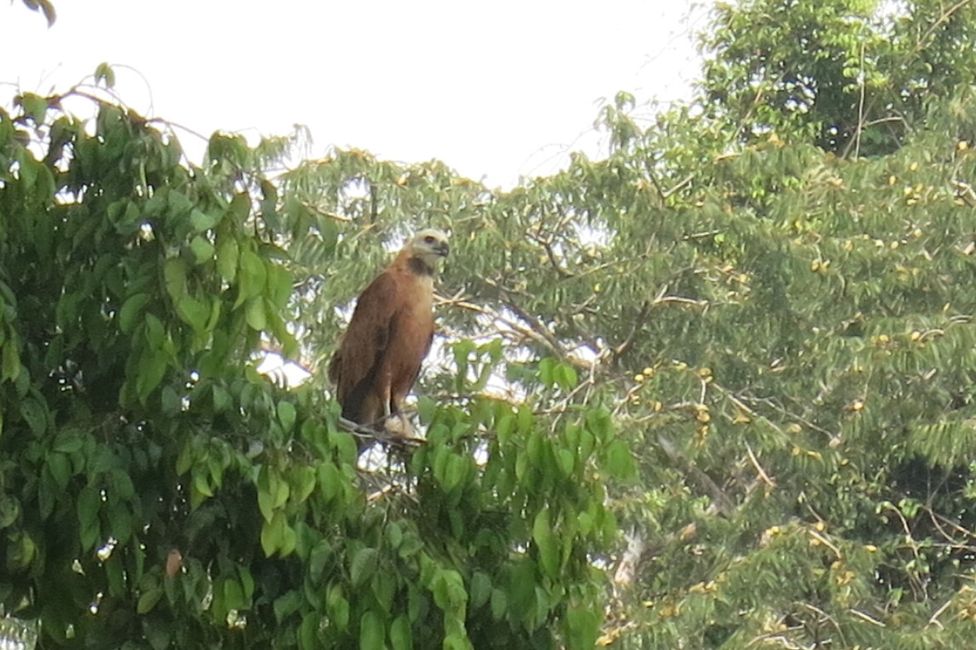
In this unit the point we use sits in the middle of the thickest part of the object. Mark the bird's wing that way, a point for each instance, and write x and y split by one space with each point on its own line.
366 338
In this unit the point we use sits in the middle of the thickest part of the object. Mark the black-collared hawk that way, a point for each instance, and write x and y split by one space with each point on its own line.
380 354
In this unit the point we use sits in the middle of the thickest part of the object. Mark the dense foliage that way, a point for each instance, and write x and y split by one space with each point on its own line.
157 491
774 296
852 76
762 298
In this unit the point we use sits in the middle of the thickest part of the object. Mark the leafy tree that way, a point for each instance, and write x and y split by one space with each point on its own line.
773 301
762 298
156 491
846 75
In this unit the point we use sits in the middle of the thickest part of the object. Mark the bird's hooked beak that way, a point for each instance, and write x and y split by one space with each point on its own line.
442 249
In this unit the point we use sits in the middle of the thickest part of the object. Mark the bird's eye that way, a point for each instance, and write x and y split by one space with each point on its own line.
429 239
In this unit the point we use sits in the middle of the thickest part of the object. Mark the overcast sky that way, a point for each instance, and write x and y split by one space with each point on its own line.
494 89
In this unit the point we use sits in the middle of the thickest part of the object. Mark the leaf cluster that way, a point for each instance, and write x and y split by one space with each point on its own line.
157 491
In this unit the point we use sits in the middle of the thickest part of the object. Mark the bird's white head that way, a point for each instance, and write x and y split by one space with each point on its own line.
429 246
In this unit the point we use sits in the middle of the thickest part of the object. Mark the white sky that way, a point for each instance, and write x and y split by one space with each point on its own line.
494 89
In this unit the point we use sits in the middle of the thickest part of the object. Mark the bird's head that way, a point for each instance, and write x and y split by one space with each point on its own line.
429 246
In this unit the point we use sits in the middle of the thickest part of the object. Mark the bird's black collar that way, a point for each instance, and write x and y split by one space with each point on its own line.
417 266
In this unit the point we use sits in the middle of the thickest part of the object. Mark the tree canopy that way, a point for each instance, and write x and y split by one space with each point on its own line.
158 491
744 340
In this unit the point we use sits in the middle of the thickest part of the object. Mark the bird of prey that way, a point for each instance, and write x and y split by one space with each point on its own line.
379 357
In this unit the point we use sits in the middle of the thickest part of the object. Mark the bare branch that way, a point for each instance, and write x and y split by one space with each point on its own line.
628 342
762 473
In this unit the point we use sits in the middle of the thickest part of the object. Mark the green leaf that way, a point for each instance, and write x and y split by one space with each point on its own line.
565 376
201 483
338 607
35 415
10 362
21 551
372 634
455 471
582 627
234 594
269 205
152 368
383 586
155 333
620 462
456 641
28 170
426 407
89 503
302 480
288 541
587 443
179 204
504 427
286 415
35 106
130 312
171 402
599 422
273 534
330 480
449 592
203 250
287 604
308 632
45 7
214 318
119 522
9 511
546 369
193 312
174 275
265 497
546 543
117 586
280 490
253 276
185 459
363 565
279 285
240 207
68 442
345 446
256 318
319 557
59 466
105 74
566 461
201 221
401 636
148 600
222 400
480 589
525 419
227 256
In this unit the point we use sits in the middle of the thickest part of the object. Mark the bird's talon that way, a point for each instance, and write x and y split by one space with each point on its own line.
397 426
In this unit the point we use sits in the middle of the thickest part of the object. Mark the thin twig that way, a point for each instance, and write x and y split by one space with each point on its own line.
920 45
934 619
866 618
860 108
367 432
826 542
762 473
638 325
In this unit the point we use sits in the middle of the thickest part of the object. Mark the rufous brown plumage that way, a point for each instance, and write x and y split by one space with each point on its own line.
392 326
